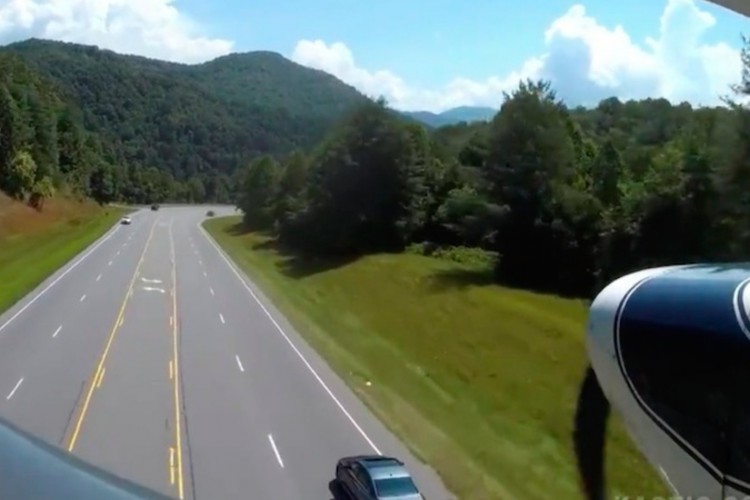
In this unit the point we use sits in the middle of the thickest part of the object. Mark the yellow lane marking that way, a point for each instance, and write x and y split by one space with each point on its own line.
175 359
100 366
101 377
171 465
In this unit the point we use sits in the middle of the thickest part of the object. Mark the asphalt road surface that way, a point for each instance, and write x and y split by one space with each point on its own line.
153 357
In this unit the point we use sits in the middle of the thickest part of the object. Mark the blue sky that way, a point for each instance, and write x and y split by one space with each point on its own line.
432 41
424 54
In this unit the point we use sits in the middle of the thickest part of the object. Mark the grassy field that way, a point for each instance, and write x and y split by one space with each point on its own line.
35 244
480 381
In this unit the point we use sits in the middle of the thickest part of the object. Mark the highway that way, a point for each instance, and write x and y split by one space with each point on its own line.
150 355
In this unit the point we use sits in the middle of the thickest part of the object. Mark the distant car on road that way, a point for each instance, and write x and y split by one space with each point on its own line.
126 220
375 477
210 213
155 206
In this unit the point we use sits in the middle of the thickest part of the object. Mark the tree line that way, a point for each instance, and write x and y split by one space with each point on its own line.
567 199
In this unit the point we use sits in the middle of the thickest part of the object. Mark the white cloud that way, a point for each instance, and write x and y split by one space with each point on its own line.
585 60
154 28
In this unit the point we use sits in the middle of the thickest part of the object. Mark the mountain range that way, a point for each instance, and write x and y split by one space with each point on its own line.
191 119
468 114
140 126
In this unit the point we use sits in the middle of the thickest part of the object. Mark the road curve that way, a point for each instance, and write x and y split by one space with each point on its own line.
152 356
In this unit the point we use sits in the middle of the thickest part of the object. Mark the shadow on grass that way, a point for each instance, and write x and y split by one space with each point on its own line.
238 229
460 278
301 266
295 263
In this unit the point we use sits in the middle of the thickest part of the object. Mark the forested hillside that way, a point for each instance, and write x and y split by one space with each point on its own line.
43 145
173 131
562 199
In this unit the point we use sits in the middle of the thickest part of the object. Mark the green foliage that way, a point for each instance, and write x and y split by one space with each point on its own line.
203 120
473 257
43 143
290 197
366 185
466 214
260 188
567 199
42 190
19 178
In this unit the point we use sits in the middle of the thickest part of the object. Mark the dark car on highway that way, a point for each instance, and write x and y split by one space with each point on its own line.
155 206
375 477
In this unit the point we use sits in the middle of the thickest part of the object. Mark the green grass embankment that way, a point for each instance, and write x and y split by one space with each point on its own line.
480 381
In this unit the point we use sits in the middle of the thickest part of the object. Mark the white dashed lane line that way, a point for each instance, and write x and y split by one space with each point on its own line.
288 340
57 331
18 384
275 451
239 363
56 280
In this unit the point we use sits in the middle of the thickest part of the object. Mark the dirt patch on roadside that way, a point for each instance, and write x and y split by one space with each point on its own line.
18 218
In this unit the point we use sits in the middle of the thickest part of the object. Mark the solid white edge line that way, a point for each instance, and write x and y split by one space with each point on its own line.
666 477
56 280
276 451
221 317
57 331
18 384
239 363
289 341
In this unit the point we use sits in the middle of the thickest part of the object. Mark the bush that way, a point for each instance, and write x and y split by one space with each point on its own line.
472 256
467 255
426 248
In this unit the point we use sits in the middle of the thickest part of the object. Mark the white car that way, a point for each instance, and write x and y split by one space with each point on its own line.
126 220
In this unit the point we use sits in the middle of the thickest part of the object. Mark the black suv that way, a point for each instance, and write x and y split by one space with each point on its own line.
155 206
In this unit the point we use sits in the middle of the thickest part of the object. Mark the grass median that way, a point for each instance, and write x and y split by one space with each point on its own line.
480 381
33 245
